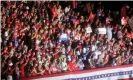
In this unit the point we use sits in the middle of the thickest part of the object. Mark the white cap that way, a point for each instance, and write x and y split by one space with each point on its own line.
27 8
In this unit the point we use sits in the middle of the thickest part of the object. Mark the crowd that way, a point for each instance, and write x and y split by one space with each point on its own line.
41 38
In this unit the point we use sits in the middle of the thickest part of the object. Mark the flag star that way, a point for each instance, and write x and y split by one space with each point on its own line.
112 74
98 76
92 77
117 73
101 76
120 73
108 75
124 73
129 72
86 78
95 77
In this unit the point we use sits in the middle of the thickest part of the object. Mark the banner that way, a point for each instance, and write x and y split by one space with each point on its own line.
108 73
102 30
88 30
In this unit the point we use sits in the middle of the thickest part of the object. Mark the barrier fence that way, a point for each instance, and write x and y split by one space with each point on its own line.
108 73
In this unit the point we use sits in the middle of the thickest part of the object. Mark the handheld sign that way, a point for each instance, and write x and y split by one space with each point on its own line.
102 30
88 30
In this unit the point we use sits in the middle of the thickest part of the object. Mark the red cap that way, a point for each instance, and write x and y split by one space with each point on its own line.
8 20
73 59
128 35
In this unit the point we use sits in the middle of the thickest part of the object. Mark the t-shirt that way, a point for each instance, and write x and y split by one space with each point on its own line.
109 33
54 11
129 35
5 52
93 47
64 66
92 16
81 65
69 58
84 50
130 22
124 21
71 66
107 20
6 33
96 54
123 12
56 56
74 4
54 69
76 22
119 34
67 9
22 70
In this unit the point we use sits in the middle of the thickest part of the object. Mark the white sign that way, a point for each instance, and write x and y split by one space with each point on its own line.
102 30
88 30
